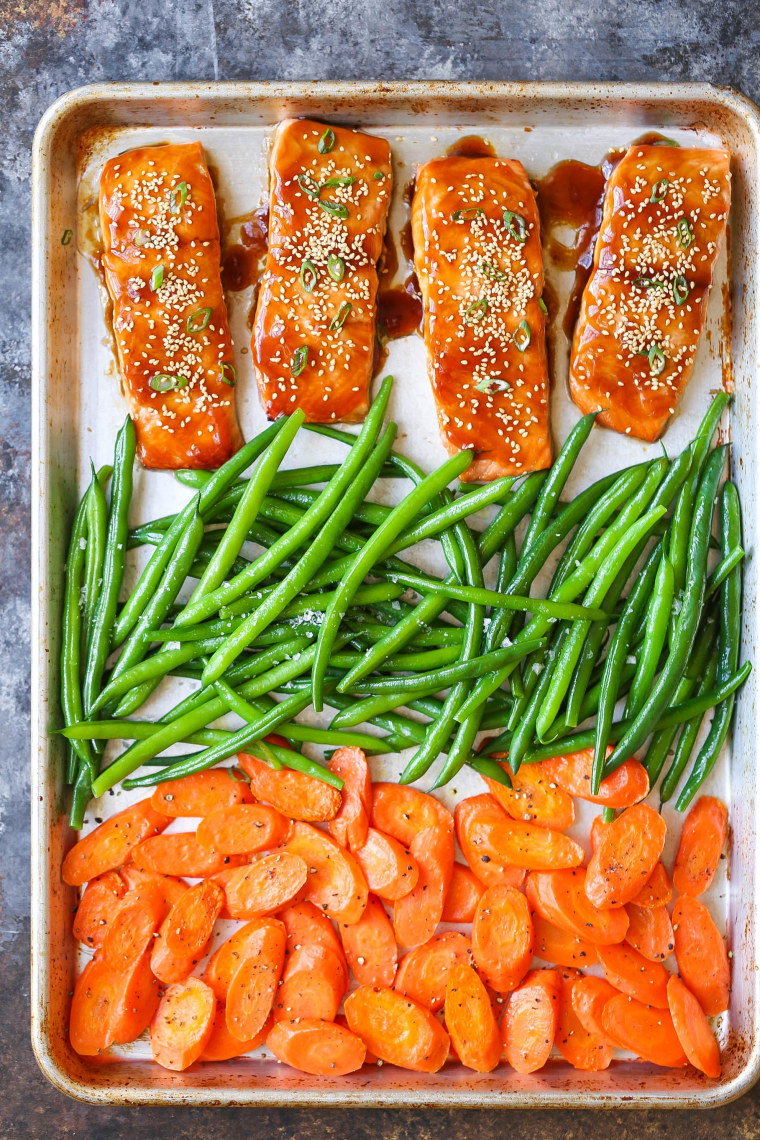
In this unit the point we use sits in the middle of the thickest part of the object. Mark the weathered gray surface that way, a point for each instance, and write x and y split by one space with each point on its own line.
49 46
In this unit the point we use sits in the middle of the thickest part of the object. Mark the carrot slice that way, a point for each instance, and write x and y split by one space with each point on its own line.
631 973
388 867
183 1023
693 1029
336 882
498 837
560 898
265 886
315 978
138 1001
647 1032
701 955
597 829
370 946
396 1029
589 996
423 972
403 812
222 1046
97 906
583 1050
626 786
650 931
241 828
470 816
186 931
703 837
96 994
294 794
417 914
224 962
502 937
560 947
321 1048
110 844
462 897
530 1020
200 794
172 888
304 922
349 827
131 930
657 891
626 857
180 854
253 988
533 797
470 1020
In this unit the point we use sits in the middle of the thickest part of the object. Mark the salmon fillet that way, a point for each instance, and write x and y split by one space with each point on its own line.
314 333
161 261
664 216
477 254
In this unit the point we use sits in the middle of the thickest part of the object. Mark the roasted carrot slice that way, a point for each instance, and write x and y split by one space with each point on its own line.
647 1032
171 887
186 931
502 937
294 794
631 973
657 891
650 931
349 827
701 955
703 837
627 854
370 946
533 797
624 787
470 1020
589 996
264 886
138 1001
315 977
224 962
96 994
597 829
692 1027
470 816
388 867
253 987
462 898
423 972
396 1029
560 947
131 930
304 922
321 1048
183 1023
222 1046
499 837
403 812
560 898
530 1020
111 843
181 854
417 914
336 883
580 1048
241 828
200 794
97 907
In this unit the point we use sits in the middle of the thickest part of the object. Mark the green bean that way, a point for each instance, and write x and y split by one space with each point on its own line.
153 668
689 733
525 728
490 769
365 595
655 638
113 563
135 730
722 570
557 477
454 512
292 477
97 524
373 514
432 635
514 510
72 704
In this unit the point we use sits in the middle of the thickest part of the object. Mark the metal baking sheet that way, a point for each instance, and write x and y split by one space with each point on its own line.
77 410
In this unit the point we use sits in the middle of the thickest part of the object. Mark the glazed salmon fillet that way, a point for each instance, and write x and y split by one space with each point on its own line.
477 254
664 216
161 261
314 334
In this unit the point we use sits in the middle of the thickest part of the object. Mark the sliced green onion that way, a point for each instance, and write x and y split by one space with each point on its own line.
308 185
141 238
157 278
521 336
542 306
477 311
228 375
300 357
680 289
308 276
378 176
238 774
516 227
339 180
491 384
659 190
67 236
198 320
492 271
335 209
339 319
178 197
685 233
336 267
656 358
648 283
665 142
165 382
465 214
327 141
